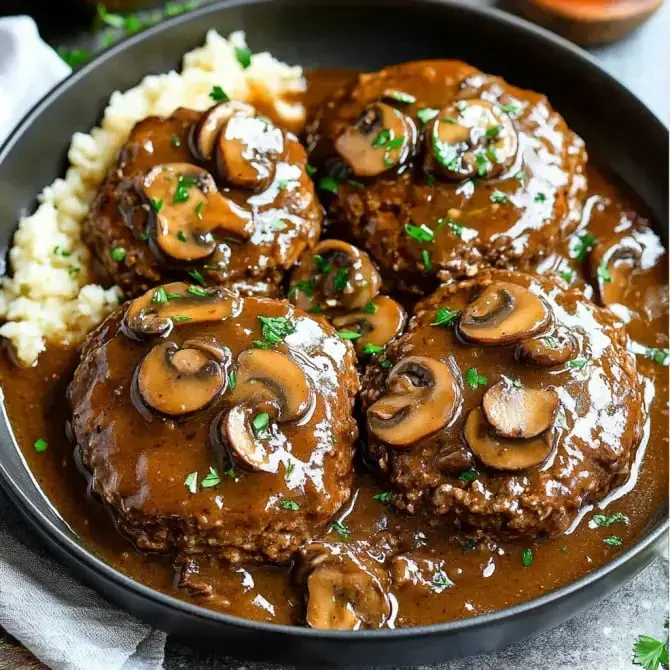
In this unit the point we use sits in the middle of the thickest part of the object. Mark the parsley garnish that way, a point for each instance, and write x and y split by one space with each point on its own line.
306 287
74 57
117 254
650 653
444 317
584 244
613 541
210 479
198 210
445 154
310 170
343 531
468 475
441 582
425 257
400 96
349 335
260 423
191 482
493 132
604 273
606 521
539 197
159 296
510 109
372 349
566 274
577 364
243 55
498 197
383 136
276 328
218 94
370 307
328 183
385 496
157 204
181 236
426 114
181 192
321 264
197 290
420 233
341 279
290 467
659 356
40 445
474 379
180 318
197 276
527 557
289 504
232 380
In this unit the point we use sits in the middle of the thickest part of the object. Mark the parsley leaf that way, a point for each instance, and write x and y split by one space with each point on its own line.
372 349
328 183
197 276
210 479
426 114
583 245
341 529
74 57
441 582
384 496
218 94
260 423
400 96
276 328
243 55
40 445
468 475
527 558
341 279
117 254
498 197
349 335
370 307
474 379
444 317
650 653
613 541
606 521
289 504
659 356
191 482
420 233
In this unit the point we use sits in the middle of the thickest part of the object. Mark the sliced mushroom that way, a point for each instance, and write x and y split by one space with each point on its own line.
345 588
186 209
554 347
382 138
247 150
470 138
519 411
203 134
337 275
156 311
378 324
504 313
179 380
502 453
267 382
423 395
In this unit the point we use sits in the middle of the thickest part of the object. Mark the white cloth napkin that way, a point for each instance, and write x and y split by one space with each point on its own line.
66 625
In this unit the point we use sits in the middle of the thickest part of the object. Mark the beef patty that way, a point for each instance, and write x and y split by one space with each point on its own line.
211 424
508 405
222 194
439 170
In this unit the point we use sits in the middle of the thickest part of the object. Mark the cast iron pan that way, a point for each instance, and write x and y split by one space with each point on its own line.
620 133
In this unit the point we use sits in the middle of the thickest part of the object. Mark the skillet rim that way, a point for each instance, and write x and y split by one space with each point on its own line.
106 572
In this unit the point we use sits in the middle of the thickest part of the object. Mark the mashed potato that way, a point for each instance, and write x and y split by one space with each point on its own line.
49 297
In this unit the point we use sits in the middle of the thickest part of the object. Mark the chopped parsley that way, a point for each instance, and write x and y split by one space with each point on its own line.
659 356
482 165
210 479
527 557
343 531
184 182
322 265
468 475
425 258
198 210
382 138
290 467
498 197
40 445
197 290
117 254
420 233
243 55
400 96
584 244
384 496
577 364
474 379
605 521
289 504
218 94
510 109
427 114
260 423
180 318
539 197
232 380
328 183
191 482
197 276
372 349
181 236
311 170
445 154
441 582
349 335
613 541
493 132
370 307
385 363
444 317
74 57
341 279
650 653
604 273
157 204
275 329
429 179
566 274
159 296
278 224
305 287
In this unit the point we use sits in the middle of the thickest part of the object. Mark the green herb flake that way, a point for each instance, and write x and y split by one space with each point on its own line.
289 504
567 275
425 259
539 197
420 233
341 279
191 482
660 356
510 109
400 96
429 179
290 467
385 363
383 136
482 165
444 317
445 154
175 141
180 318
210 479
196 275
218 94
275 329
606 521
564 548
159 296
341 529
650 653
426 114
144 236
468 475
232 380
304 287
198 210
157 204
74 57
370 307
181 236
40 445
197 291
527 557
321 264
384 496
184 182
260 423
177 8
516 383
613 541
117 254
584 244
243 55
278 224
604 273
498 197
113 20
372 349
441 582
329 184
311 170
577 364
474 379
349 335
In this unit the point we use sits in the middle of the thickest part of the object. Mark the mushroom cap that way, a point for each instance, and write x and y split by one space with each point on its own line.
502 453
185 208
380 139
203 133
159 309
551 348
471 138
423 396
377 327
504 313
519 411
247 149
179 380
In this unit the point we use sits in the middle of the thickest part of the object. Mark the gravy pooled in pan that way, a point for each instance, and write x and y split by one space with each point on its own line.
501 306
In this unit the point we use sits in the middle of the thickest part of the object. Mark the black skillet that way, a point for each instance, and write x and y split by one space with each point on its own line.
619 131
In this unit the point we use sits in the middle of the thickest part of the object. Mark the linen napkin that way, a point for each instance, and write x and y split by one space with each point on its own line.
66 625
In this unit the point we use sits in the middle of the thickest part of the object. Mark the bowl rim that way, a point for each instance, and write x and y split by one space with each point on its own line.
108 573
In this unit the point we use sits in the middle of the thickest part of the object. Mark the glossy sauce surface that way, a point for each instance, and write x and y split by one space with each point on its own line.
445 577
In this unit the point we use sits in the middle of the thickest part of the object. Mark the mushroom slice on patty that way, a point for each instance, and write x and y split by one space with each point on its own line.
186 209
178 380
423 395
548 349
337 275
503 453
247 150
268 383
504 313
204 132
470 138
378 323
382 138
518 411
159 309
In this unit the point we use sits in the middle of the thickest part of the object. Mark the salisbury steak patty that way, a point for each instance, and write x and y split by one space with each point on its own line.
442 170
214 424
508 405
223 193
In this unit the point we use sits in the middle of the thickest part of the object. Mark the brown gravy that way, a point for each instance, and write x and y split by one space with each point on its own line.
485 579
